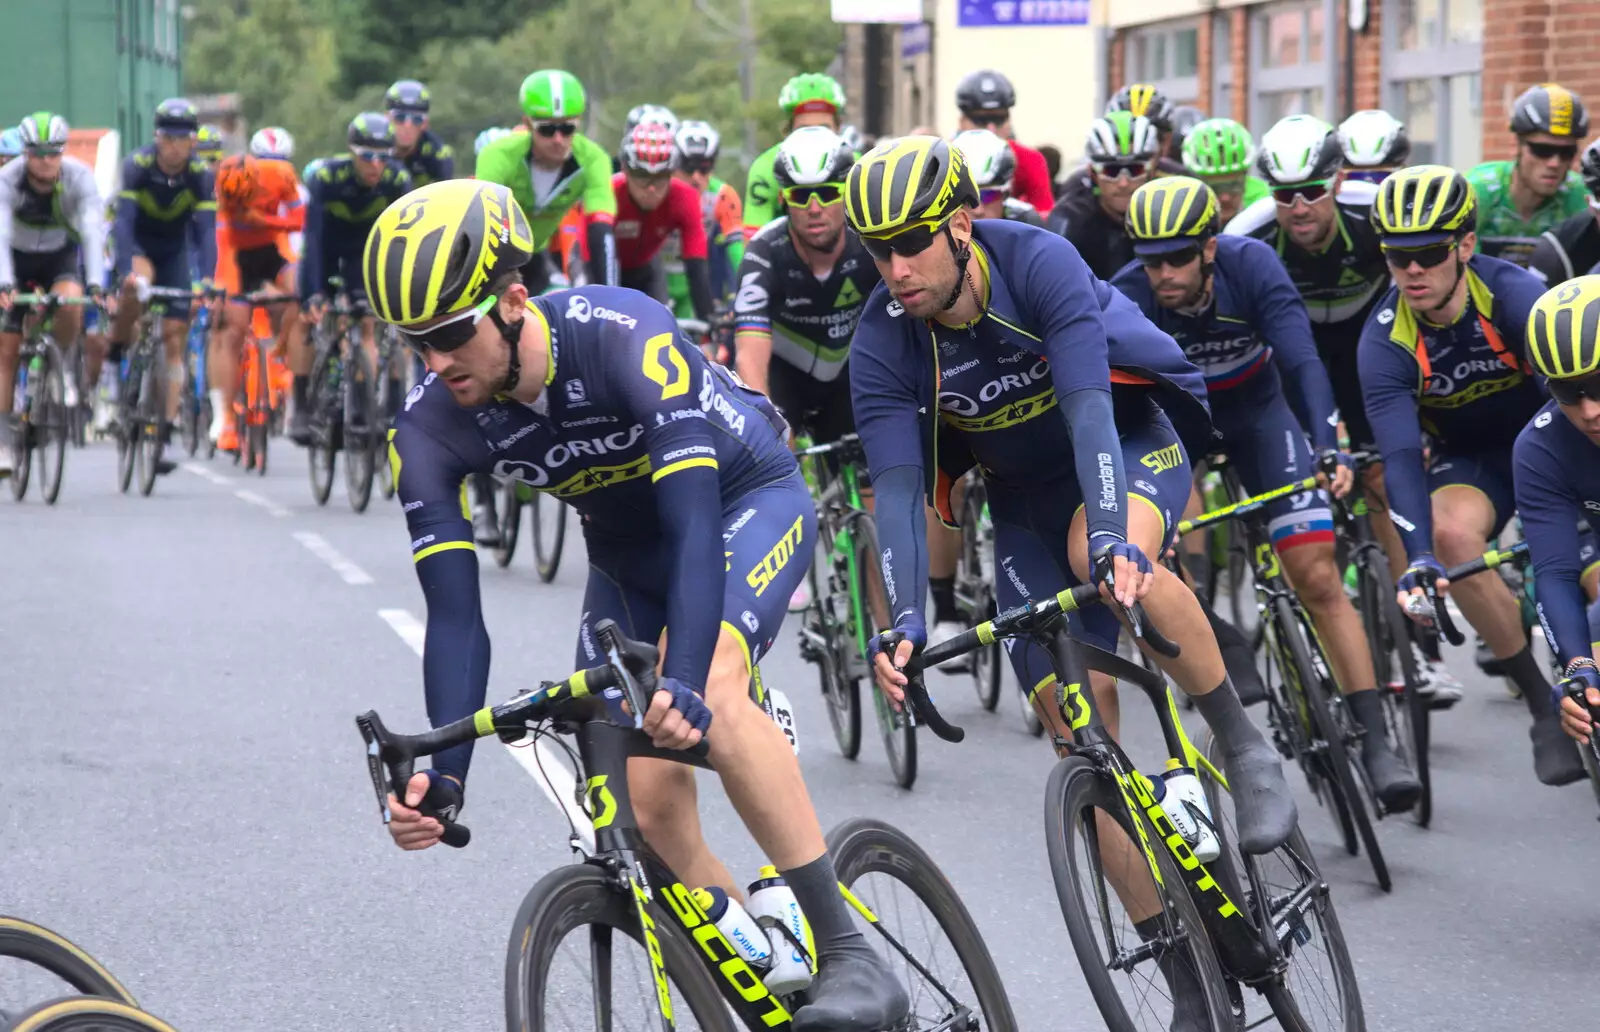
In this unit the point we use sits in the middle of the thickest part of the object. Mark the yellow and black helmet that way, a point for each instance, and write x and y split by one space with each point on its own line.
912 181
1171 213
1564 329
436 250
1424 204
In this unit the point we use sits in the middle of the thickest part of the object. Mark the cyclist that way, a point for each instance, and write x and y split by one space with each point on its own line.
993 165
426 157
10 145
347 196
1442 353
1229 303
487 137
985 99
1375 144
1522 198
51 220
1146 101
1572 247
1184 119
721 211
166 224
1122 150
657 495
258 201
1221 153
1557 488
272 143
807 99
208 145
991 343
652 204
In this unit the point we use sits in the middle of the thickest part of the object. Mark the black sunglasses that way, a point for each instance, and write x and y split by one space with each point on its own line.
1570 392
449 335
1311 193
43 150
412 117
549 129
693 165
1427 257
908 243
1176 259
1118 169
1546 151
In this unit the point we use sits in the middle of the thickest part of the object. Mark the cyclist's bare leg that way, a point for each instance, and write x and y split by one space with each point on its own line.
1315 576
10 350
175 336
69 319
665 802
129 308
1463 519
224 364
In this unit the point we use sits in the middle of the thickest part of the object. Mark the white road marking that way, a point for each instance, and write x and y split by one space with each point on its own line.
408 627
266 503
319 547
203 473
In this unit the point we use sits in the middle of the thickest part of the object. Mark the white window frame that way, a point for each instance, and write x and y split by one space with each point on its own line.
1183 89
1435 61
1307 75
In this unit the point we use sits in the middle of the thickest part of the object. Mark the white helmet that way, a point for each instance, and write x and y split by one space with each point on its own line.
43 129
1299 149
649 148
812 155
272 142
1107 140
697 140
991 159
488 136
640 113
1372 138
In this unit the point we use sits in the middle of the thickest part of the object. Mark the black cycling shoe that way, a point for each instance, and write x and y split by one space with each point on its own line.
300 425
854 994
1555 756
1266 811
1237 658
1484 657
1397 787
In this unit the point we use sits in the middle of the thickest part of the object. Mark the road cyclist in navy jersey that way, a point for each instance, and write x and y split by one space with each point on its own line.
990 344
1443 368
1231 306
697 522
1556 466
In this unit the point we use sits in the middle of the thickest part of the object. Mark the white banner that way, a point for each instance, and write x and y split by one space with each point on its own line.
882 11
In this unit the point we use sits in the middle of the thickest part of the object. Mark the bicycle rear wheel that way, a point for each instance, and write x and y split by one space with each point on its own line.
87 1014
150 422
510 524
39 947
1398 676
127 425
360 426
975 576
581 896
823 641
260 414
1091 848
50 423
325 423
889 874
895 727
549 534
189 427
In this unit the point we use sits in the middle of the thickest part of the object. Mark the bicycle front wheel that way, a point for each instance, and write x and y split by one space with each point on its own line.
976 578
899 734
944 964
1096 863
150 422
510 524
56 956
1398 676
558 980
549 534
829 645
51 424
360 426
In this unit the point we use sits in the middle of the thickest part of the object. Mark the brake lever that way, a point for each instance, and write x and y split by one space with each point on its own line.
390 767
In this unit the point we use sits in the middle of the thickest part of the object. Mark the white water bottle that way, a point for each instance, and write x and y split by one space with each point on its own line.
772 904
1184 800
746 935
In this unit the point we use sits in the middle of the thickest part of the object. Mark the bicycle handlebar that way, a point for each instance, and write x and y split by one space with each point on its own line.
847 443
630 666
1487 561
53 300
1245 507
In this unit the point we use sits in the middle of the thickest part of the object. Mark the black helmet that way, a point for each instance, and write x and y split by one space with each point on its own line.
1549 108
370 129
985 90
1589 165
177 115
406 95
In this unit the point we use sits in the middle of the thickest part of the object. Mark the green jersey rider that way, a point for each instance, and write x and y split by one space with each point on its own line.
1220 152
1520 199
807 99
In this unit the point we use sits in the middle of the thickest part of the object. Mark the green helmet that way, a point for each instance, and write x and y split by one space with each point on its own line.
808 89
1218 147
552 93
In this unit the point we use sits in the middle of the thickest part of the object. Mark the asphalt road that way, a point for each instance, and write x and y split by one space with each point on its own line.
185 793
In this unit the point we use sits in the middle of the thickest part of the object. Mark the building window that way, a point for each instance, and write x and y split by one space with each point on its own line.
1291 68
1432 56
1167 56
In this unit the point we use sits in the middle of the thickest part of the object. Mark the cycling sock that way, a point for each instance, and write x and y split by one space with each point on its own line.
816 889
1225 715
1524 670
1367 707
943 590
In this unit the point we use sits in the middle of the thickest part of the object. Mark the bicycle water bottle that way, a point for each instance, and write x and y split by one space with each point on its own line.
1181 796
749 939
774 907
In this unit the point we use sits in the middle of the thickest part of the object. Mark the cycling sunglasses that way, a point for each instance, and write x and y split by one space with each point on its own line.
409 117
908 243
1226 187
1176 259
991 196
371 154
655 179
451 334
43 150
1570 392
1311 192
1546 151
1120 169
550 129
825 194
1428 257
1368 175
695 165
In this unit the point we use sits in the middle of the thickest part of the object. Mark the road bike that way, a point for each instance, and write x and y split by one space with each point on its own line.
44 421
141 421
194 412
342 404
1236 922
46 959
1306 712
391 395
548 518
619 892
974 590
256 407
849 602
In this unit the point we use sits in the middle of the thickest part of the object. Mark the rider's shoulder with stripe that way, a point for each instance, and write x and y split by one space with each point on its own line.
1259 220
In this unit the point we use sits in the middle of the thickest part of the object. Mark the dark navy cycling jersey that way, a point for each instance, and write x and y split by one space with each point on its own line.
160 216
635 430
1025 392
432 160
1557 473
1466 385
1255 319
340 211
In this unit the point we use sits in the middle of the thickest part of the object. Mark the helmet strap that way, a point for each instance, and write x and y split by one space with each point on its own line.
511 333
962 254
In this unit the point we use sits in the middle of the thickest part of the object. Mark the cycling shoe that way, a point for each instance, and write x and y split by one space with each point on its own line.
1266 810
854 994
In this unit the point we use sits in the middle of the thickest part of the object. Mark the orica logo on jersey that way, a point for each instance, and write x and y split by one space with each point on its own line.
1217 348
711 400
578 308
962 405
415 394
538 475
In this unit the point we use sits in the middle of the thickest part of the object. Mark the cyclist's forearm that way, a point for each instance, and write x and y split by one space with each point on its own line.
8 271
455 655
1097 455
752 358
1563 612
902 525
126 248
203 234
91 226
689 501
602 263
698 273
1310 395
1406 484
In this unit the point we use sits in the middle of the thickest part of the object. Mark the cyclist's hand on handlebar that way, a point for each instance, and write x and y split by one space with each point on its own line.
1424 570
1344 476
1575 719
7 292
892 650
678 717
407 826
1125 566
